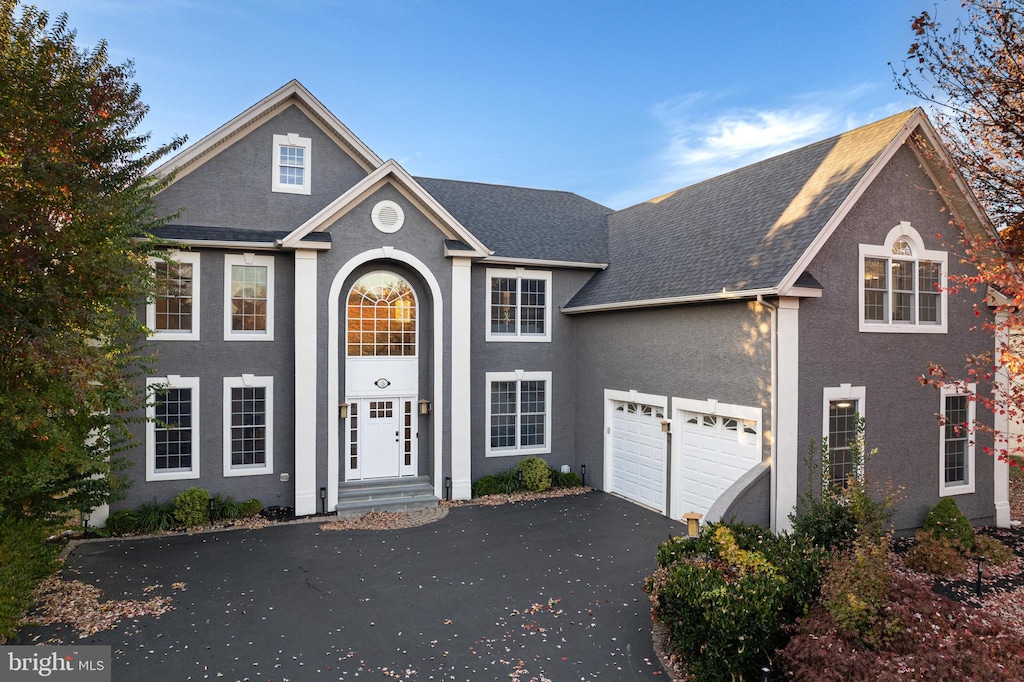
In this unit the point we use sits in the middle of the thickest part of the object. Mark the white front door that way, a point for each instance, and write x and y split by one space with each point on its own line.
381 438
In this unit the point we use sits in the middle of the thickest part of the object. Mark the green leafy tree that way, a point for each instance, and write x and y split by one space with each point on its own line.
74 202
972 76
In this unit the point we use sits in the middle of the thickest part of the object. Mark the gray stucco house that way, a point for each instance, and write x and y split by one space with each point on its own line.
329 321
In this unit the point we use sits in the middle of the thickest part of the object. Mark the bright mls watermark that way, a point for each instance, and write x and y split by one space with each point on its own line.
78 663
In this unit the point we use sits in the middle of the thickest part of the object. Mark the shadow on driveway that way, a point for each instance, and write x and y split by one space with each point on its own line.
545 590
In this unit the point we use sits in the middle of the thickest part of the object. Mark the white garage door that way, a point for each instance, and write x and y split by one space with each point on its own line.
638 453
716 451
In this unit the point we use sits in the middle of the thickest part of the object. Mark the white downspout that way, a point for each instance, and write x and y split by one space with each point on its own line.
772 410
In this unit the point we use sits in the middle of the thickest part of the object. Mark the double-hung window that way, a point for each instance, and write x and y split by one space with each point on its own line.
172 428
519 308
956 441
518 413
173 313
248 425
292 156
903 285
249 297
843 408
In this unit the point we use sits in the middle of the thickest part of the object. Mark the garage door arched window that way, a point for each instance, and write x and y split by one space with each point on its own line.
381 317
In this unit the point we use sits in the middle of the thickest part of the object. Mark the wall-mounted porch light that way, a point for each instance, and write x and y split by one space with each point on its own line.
692 524
343 411
424 406
666 426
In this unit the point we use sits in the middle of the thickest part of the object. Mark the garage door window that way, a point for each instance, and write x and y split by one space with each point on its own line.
645 410
719 423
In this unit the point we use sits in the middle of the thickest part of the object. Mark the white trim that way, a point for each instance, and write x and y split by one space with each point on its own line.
842 392
519 274
398 177
306 497
249 381
906 232
787 449
306 145
250 259
967 487
172 381
518 376
461 344
192 259
333 388
541 263
290 93
1001 423
611 396
738 295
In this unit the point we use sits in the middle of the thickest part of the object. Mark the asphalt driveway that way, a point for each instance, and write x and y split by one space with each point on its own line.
546 590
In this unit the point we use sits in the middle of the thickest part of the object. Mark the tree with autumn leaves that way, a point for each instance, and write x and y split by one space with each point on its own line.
972 74
75 209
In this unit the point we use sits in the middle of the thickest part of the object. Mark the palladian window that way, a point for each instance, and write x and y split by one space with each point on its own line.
381 317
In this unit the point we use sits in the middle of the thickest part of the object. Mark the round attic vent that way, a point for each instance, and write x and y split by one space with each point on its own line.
387 216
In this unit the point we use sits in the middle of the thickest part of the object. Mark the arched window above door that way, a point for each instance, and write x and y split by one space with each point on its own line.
381 317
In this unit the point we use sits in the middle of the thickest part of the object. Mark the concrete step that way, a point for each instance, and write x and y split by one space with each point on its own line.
389 494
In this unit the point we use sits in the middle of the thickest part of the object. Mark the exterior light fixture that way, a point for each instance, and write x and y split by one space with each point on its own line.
447 487
666 426
424 406
343 411
977 586
692 524
323 500
583 474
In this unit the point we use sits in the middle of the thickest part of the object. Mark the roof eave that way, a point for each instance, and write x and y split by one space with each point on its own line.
719 297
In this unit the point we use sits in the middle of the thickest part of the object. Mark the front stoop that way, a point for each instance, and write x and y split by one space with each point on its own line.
356 498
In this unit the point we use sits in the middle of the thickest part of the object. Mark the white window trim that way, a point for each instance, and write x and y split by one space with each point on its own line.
191 258
292 140
170 381
903 231
518 376
231 259
963 488
520 274
249 381
843 392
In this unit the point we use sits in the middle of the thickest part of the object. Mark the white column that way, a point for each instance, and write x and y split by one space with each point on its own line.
1001 435
787 387
306 496
461 414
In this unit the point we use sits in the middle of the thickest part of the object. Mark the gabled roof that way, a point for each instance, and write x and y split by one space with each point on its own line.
527 224
291 93
389 172
745 232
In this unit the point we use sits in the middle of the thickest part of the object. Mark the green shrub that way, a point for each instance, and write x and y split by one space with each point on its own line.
122 522
856 592
25 559
224 507
729 596
994 551
535 474
940 556
192 507
486 485
250 507
945 520
560 480
153 517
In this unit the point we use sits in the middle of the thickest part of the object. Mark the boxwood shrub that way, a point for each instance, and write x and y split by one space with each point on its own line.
729 596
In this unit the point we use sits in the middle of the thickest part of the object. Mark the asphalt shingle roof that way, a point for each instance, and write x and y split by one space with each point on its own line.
229 234
516 222
739 231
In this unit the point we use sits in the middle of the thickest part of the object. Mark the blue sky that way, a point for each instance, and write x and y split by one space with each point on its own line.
617 101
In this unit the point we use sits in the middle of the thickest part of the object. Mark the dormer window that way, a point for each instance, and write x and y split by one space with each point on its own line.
291 172
902 285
